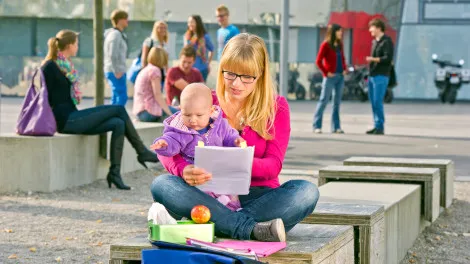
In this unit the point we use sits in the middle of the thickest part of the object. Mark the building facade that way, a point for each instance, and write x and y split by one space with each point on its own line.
419 28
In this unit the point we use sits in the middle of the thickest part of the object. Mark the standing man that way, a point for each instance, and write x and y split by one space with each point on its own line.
115 53
380 65
180 76
226 30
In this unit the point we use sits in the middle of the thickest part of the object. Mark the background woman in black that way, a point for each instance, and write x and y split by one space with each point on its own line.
62 85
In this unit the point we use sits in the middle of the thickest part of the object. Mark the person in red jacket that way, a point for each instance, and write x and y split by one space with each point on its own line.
330 61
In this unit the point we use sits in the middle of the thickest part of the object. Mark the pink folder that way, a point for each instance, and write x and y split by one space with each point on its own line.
262 249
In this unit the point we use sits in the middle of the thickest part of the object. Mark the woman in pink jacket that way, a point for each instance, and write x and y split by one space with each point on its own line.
246 95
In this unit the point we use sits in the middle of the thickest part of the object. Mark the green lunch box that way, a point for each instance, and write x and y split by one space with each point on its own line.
182 230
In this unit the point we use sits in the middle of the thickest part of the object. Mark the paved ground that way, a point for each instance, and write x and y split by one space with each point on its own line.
77 225
414 129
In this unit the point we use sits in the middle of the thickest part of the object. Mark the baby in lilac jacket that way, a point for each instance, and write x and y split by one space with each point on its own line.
198 120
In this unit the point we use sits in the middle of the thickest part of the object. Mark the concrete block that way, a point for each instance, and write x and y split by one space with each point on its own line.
317 244
446 168
401 222
428 177
45 164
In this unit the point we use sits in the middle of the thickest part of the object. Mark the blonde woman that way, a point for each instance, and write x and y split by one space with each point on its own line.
63 87
246 95
158 38
149 105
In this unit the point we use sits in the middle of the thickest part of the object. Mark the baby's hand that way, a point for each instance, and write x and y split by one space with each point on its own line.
159 144
239 141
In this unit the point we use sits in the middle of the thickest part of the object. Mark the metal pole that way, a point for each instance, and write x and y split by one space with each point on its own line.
284 63
98 62
0 104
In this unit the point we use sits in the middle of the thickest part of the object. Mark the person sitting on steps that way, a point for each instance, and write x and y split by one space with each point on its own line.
63 87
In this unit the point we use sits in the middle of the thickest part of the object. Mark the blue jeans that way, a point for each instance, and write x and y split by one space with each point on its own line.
292 202
204 73
377 89
145 116
336 84
118 88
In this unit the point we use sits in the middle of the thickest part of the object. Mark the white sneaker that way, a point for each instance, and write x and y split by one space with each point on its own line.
317 131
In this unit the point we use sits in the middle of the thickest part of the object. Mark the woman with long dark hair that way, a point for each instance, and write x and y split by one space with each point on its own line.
330 61
64 94
196 35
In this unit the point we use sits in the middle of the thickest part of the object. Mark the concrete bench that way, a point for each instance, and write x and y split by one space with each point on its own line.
429 179
320 244
367 220
446 168
378 239
46 164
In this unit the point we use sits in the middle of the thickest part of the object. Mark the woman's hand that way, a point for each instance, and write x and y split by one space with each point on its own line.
195 176
330 75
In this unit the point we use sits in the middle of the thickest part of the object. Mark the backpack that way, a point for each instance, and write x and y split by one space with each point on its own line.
136 65
180 254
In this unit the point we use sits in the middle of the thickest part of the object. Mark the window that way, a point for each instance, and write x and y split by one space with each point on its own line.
454 11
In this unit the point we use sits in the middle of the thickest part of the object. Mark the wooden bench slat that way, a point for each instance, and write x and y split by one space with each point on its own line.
305 244
386 237
429 178
445 166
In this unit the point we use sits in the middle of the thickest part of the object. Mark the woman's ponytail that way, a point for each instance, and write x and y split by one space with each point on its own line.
53 49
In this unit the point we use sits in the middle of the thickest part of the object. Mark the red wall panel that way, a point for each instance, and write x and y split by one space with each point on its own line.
361 38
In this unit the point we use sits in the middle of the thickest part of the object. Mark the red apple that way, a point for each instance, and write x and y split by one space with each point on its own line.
200 214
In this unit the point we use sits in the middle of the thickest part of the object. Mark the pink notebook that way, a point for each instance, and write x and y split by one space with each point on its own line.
261 249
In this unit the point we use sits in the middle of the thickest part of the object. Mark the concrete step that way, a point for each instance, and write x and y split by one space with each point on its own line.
46 164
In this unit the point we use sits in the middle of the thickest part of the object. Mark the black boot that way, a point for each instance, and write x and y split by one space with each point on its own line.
147 156
114 177
116 148
143 154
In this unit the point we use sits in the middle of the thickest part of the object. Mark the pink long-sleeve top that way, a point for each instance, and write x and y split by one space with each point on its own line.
269 154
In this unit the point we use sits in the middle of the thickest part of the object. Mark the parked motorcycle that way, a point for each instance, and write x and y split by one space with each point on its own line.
293 85
355 83
356 86
315 79
449 77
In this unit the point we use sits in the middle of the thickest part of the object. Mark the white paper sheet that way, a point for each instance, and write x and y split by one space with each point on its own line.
230 168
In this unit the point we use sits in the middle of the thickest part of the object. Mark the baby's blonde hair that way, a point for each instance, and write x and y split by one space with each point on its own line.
247 54
196 92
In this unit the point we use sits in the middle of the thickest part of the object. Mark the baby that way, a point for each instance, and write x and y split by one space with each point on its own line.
198 120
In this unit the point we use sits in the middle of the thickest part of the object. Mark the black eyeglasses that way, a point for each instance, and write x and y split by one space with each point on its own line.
247 79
